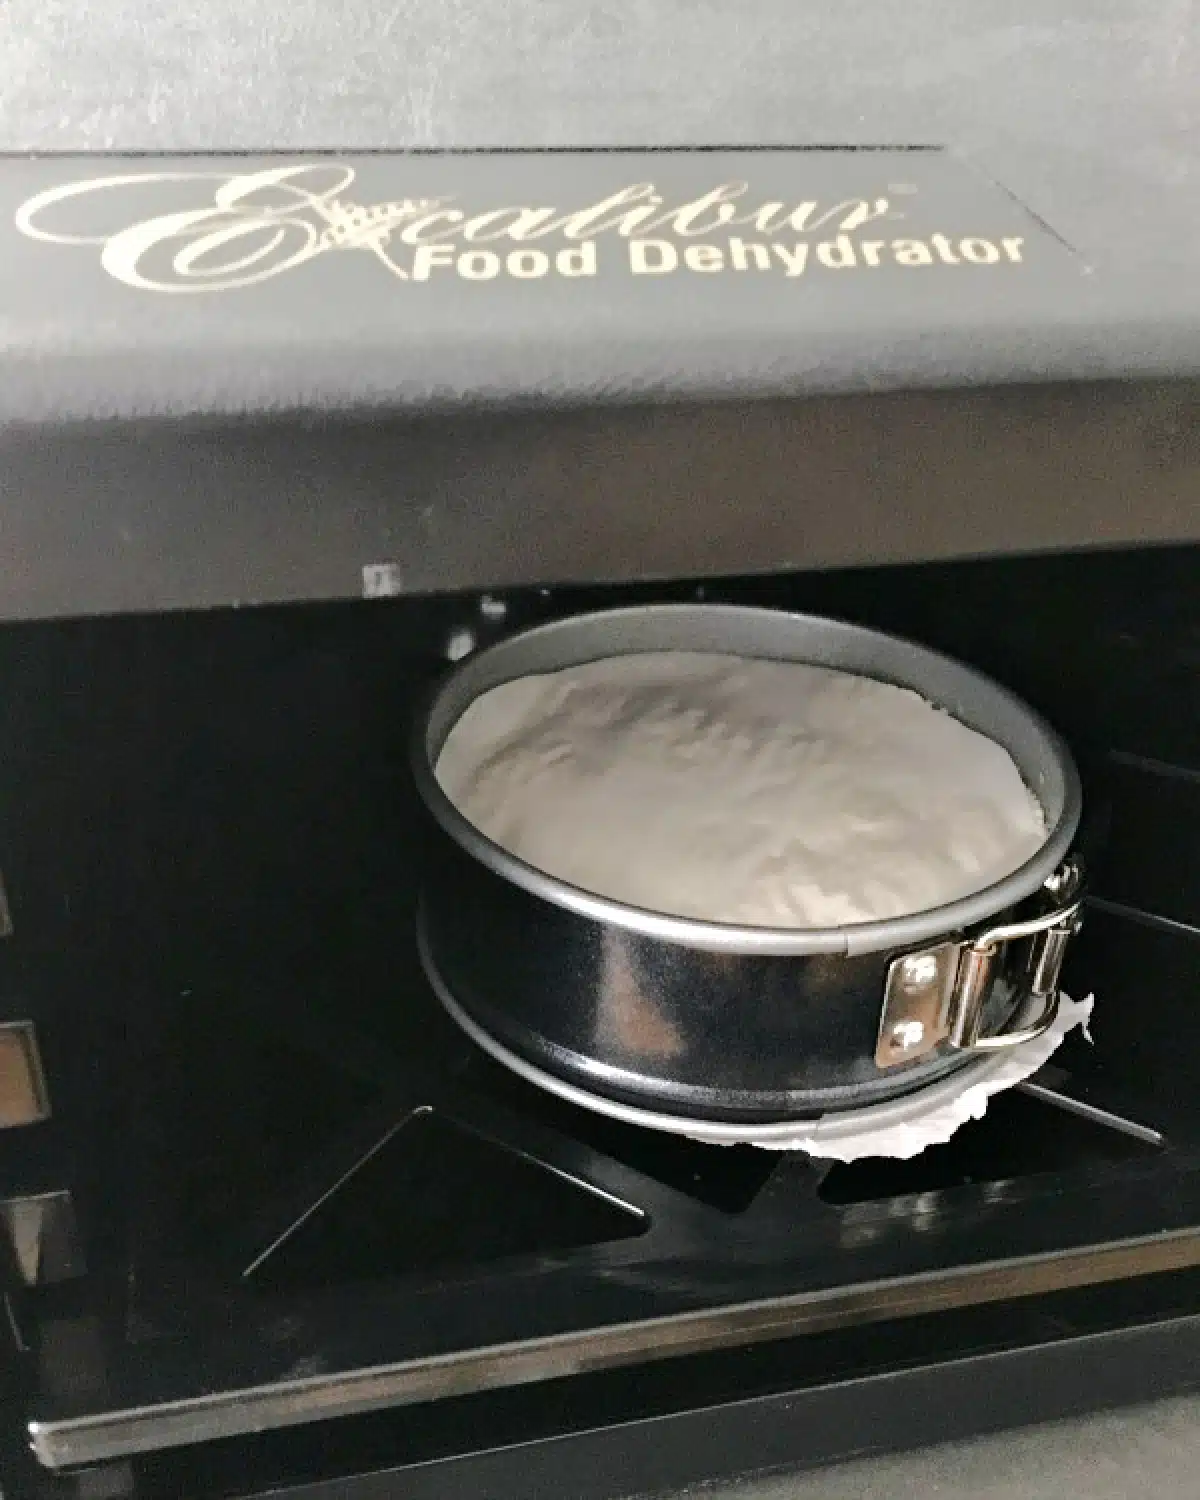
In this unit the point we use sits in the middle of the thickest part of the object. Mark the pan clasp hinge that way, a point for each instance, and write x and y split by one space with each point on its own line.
938 995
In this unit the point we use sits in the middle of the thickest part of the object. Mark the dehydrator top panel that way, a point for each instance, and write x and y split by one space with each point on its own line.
993 215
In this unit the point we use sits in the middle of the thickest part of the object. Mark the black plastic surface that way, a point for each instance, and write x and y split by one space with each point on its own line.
103 517
1087 113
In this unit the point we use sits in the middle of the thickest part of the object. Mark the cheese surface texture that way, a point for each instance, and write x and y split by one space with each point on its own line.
737 790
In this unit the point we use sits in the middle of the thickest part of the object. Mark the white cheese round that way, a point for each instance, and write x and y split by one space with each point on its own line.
761 793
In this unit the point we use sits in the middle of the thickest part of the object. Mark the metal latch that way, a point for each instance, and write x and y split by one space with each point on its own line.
939 994
23 1096
44 1237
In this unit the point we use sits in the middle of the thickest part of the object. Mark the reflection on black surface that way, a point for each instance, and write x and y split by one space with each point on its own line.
435 1195
728 1178
1018 1137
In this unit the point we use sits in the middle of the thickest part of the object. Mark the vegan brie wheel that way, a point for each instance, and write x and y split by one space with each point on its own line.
737 790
